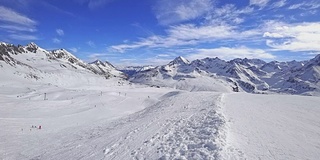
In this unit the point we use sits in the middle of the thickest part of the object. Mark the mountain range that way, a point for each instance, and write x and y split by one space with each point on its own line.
244 75
32 64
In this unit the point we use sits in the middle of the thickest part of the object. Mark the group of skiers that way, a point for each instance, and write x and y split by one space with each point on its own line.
33 126
38 127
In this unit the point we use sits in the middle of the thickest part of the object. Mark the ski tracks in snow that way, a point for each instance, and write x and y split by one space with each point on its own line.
195 138
181 126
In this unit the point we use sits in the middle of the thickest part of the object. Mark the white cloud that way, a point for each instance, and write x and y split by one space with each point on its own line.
10 27
169 11
306 5
273 35
296 6
8 15
295 45
17 24
188 35
23 37
223 26
218 24
192 32
228 14
96 56
91 44
154 61
229 53
152 42
56 40
164 55
157 61
124 47
294 37
94 4
123 62
279 4
260 3
74 50
60 32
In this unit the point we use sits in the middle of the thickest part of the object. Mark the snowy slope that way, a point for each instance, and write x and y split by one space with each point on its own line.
106 121
273 126
134 122
65 116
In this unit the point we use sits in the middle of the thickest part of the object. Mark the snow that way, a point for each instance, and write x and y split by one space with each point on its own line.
273 126
64 116
121 122
139 122
179 111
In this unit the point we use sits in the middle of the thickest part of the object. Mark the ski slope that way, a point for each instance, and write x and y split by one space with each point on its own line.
138 122
129 123
273 126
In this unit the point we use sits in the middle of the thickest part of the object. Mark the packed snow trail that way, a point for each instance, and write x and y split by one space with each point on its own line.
272 126
182 125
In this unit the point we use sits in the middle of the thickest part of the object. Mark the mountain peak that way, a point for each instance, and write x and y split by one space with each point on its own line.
180 61
317 57
32 47
32 44
104 64
315 60
3 43
96 62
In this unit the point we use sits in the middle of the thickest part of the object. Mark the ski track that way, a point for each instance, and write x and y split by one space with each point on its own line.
182 125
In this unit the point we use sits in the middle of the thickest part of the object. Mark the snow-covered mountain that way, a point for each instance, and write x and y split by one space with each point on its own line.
32 63
249 75
302 79
106 68
60 67
131 70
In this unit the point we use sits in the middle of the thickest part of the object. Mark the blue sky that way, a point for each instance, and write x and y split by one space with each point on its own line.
134 32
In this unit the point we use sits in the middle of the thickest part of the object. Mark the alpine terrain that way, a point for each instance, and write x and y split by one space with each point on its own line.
55 106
